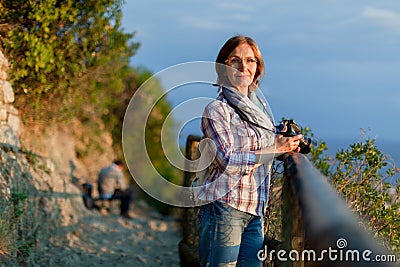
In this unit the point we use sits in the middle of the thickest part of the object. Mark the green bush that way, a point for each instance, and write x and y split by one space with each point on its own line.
65 55
362 175
11 212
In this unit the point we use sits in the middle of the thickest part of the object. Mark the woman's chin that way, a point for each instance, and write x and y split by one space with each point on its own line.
242 83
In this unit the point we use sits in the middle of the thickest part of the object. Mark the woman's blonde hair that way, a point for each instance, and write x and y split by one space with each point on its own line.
227 49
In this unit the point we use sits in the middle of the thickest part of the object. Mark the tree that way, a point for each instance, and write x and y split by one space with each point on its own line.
154 125
64 53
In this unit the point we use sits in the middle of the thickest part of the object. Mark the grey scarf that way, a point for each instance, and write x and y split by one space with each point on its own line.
252 110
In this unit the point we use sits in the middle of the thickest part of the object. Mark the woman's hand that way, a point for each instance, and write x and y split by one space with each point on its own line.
282 145
287 144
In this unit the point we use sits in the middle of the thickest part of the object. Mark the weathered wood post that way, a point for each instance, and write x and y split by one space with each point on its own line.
293 228
188 251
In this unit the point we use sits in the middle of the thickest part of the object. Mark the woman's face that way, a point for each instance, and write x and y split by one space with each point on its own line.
241 67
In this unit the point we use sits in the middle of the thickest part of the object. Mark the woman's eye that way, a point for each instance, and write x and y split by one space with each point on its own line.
251 60
236 60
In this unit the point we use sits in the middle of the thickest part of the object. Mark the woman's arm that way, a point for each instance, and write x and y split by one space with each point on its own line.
216 125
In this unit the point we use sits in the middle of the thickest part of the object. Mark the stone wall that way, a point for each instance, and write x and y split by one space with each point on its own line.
42 164
9 119
53 201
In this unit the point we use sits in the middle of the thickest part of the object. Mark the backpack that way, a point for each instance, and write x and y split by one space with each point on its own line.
87 195
203 165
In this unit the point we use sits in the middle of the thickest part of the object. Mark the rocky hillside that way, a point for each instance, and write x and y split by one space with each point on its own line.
43 221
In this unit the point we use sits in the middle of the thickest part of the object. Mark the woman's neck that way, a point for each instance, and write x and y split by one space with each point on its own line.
243 89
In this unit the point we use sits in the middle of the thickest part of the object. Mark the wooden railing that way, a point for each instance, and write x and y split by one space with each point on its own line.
317 227
316 220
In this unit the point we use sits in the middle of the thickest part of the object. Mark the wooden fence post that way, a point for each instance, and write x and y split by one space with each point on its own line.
188 246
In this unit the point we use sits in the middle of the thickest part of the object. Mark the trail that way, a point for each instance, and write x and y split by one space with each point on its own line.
148 239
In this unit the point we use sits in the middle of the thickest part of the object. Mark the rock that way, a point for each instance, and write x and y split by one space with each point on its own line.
6 92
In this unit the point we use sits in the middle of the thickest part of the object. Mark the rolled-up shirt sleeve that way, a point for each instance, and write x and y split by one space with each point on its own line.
231 157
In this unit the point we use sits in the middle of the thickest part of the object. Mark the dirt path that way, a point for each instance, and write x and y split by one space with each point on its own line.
148 239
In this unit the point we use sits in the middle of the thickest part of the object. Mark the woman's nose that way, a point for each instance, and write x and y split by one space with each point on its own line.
241 66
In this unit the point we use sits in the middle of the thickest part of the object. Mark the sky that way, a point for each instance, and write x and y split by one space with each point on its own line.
332 65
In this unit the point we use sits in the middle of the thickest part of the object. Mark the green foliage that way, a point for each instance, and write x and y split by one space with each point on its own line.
70 60
360 174
24 244
364 177
113 114
64 54
321 161
7 231
154 124
24 248
11 211
18 200
273 225
32 158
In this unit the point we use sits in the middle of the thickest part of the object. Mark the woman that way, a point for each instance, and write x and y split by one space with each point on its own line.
237 122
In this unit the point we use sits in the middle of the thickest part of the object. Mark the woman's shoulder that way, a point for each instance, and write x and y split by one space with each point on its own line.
219 110
218 103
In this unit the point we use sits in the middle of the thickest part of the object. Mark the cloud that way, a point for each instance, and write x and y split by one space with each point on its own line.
241 17
202 24
385 18
229 6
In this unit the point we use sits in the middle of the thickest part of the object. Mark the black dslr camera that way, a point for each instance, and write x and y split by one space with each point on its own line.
292 130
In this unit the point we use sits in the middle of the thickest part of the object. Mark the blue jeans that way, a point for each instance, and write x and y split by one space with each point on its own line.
229 237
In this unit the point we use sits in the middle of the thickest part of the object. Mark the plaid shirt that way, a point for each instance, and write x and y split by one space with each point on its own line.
233 177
